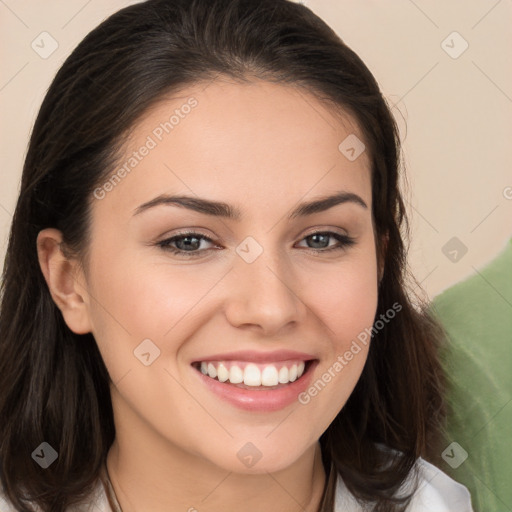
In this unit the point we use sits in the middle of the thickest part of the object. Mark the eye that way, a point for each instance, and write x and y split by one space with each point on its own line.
319 238
189 244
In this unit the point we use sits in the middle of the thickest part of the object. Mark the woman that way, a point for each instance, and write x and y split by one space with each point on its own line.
203 297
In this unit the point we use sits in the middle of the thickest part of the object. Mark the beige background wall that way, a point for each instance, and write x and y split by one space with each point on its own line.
456 102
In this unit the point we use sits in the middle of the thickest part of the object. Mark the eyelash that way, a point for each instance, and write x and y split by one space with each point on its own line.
344 241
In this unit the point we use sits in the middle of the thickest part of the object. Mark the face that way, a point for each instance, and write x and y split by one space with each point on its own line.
237 319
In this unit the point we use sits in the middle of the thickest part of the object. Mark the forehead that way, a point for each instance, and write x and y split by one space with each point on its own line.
248 143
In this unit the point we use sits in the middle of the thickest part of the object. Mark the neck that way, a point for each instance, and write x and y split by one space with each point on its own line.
148 479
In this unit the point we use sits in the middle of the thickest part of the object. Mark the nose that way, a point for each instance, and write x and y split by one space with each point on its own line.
264 295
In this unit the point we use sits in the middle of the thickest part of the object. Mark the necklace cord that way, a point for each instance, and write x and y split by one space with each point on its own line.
109 490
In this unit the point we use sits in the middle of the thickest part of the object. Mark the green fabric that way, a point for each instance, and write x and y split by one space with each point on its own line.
477 315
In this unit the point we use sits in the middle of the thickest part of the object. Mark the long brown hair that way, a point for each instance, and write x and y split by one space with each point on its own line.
54 386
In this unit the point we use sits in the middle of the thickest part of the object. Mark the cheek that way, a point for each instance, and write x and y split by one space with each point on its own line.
344 297
141 297
134 301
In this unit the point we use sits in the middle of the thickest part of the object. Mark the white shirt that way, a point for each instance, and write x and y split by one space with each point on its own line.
436 492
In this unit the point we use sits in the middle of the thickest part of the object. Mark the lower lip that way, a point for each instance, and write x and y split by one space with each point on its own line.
259 399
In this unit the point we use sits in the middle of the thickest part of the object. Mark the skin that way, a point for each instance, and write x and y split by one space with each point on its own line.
263 148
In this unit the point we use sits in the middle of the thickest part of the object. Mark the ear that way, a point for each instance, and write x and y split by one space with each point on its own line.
62 274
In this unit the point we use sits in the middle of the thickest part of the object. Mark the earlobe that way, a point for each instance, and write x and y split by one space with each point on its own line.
62 277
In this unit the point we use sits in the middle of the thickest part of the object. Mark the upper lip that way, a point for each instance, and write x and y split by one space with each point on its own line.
257 357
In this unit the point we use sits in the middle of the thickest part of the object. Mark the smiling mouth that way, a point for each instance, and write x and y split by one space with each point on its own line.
254 376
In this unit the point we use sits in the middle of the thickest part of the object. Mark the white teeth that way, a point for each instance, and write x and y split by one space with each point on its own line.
252 375
283 375
222 373
212 371
236 375
269 376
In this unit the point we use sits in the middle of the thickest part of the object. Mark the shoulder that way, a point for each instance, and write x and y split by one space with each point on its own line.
436 492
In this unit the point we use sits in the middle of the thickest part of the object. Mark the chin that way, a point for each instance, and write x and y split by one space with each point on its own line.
261 455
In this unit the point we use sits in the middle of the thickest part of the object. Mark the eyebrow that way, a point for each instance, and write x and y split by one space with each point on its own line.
221 209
